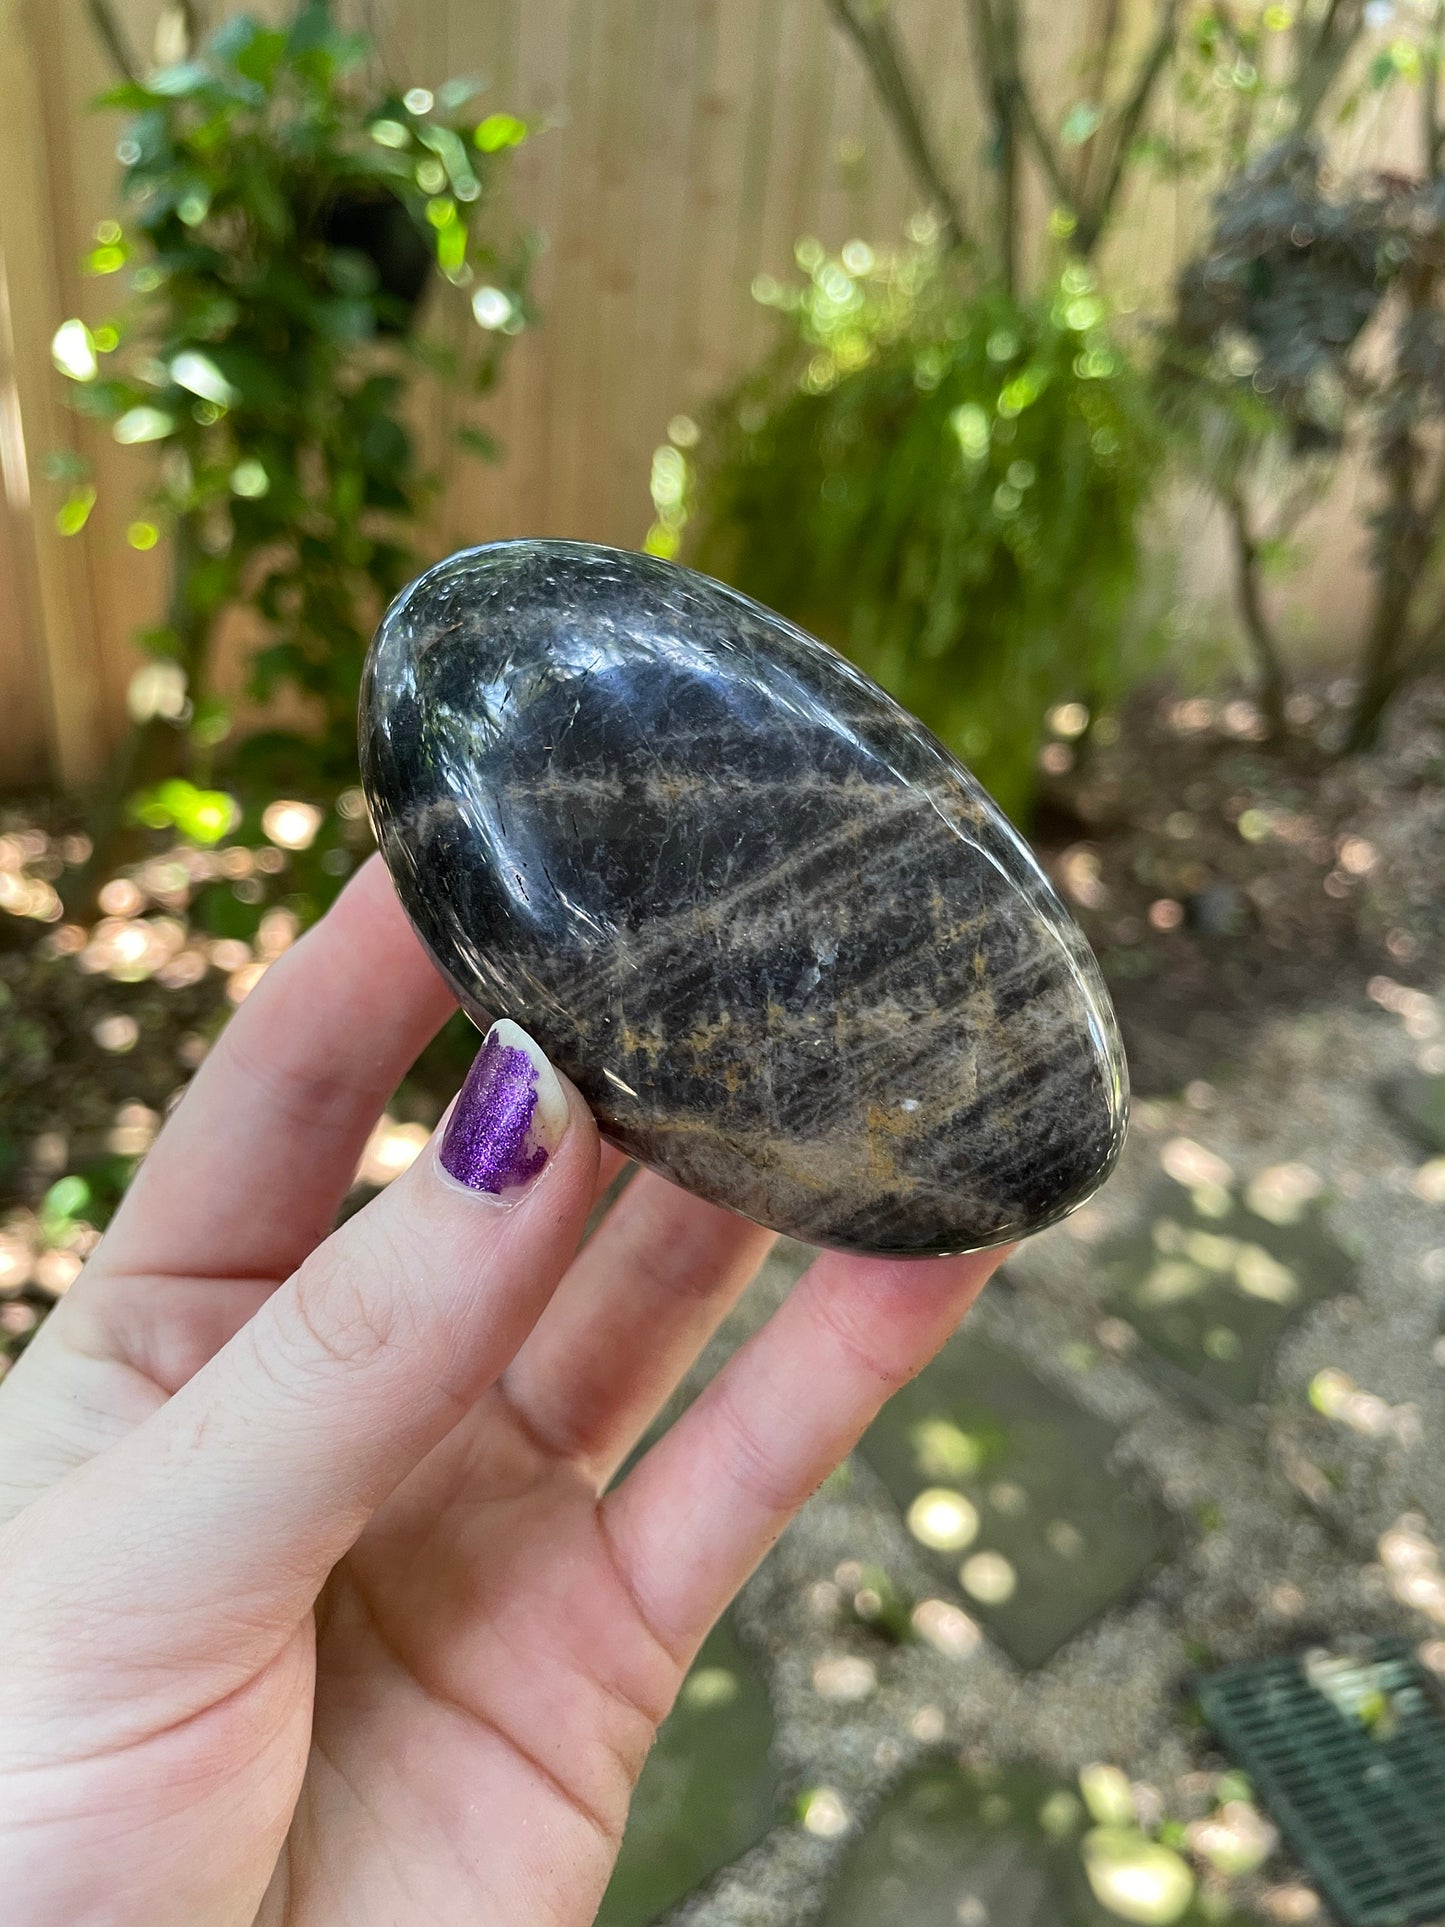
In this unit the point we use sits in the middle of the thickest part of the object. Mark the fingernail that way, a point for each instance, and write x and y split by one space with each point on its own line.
509 1116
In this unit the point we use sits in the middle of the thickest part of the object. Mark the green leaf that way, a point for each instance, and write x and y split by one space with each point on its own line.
203 815
479 443
198 374
260 59
65 465
73 514
1081 123
234 36
312 30
160 640
456 92
499 131
129 95
72 349
143 424
176 83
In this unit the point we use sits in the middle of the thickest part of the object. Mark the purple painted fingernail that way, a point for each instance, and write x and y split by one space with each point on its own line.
509 1117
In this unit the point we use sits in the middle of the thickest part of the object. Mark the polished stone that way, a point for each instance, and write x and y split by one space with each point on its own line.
789 951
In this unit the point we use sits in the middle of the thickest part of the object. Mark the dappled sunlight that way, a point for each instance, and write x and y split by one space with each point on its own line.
943 1519
987 1461
1228 1261
1136 1878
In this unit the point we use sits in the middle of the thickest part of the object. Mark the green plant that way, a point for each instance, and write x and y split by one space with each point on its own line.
941 467
943 482
284 209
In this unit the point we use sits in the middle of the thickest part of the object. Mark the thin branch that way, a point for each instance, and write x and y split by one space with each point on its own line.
1009 87
194 15
882 54
1396 637
1097 67
112 38
1045 151
1257 627
1341 25
1246 106
996 49
1130 117
1431 138
990 58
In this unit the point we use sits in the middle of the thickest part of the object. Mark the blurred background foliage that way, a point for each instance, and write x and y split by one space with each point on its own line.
947 484
947 465
956 463
284 206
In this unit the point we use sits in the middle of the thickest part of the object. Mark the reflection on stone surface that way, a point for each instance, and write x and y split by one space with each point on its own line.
789 951
709 1789
1007 1485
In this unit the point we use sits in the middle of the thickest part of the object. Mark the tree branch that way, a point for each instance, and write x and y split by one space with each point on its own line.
997 67
1044 149
1431 139
1340 27
872 32
1262 640
1095 218
995 36
194 16
1009 88
1096 69
112 38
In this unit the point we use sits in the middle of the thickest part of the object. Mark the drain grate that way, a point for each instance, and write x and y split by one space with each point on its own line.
1347 1751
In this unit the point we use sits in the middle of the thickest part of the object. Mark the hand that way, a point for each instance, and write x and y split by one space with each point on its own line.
312 1607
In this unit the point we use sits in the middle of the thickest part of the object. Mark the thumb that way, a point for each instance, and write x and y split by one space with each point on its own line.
252 1481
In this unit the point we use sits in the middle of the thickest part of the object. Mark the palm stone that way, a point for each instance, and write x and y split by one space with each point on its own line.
790 952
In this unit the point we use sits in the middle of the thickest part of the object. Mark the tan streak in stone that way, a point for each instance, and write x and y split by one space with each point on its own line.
662 935
819 1164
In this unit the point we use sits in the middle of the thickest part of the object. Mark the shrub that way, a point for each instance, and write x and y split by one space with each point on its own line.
941 466
943 482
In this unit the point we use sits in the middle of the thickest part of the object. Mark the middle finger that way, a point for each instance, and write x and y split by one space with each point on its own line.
639 1302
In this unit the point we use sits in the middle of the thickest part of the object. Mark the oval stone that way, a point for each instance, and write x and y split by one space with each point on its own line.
790 952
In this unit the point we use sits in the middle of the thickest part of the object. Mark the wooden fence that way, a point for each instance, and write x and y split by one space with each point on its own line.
688 144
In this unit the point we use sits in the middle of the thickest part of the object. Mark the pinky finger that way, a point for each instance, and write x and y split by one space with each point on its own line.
697 1514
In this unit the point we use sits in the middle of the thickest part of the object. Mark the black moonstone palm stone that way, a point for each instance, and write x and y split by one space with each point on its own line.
791 953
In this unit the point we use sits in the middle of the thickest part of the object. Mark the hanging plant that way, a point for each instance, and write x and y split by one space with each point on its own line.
283 213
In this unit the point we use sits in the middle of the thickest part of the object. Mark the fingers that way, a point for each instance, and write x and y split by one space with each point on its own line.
642 1299
246 1177
242 1184
695 1517
260 1473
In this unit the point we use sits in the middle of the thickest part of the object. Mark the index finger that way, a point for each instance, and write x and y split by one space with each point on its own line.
246 1178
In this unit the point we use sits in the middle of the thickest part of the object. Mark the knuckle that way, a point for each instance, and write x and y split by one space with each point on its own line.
753 1467
343 1312
851 1323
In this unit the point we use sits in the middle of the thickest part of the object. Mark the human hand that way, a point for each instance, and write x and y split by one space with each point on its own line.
314 1603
